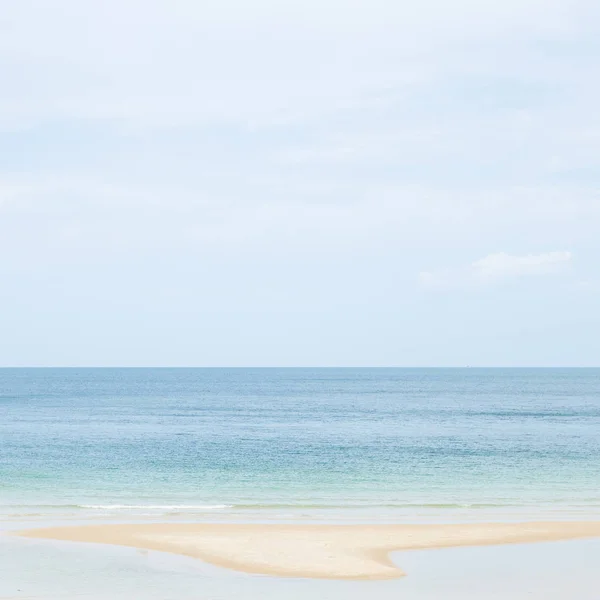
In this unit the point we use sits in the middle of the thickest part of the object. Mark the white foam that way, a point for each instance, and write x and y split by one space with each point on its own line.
169 507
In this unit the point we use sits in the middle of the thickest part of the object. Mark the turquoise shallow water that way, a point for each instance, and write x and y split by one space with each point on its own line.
356 444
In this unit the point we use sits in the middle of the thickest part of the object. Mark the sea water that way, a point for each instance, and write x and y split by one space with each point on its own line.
299 444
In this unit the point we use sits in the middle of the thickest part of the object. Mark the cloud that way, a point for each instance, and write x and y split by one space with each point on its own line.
48 217
227 125
502 265
495 268
321 152
235 60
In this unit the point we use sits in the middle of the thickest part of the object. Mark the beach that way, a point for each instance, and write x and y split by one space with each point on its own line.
332 483
299 300
33 568
313 551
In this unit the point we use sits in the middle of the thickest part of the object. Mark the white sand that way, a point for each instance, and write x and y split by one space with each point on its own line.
314 551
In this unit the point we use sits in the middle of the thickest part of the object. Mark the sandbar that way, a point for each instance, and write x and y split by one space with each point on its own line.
312 551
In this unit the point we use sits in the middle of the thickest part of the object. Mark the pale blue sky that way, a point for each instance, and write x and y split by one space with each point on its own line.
300 183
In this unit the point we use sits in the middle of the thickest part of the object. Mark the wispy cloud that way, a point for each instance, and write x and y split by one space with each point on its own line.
494 268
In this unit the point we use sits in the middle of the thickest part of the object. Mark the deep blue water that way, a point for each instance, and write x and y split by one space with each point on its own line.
392 442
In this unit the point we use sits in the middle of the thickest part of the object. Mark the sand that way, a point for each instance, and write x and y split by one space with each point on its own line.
313 551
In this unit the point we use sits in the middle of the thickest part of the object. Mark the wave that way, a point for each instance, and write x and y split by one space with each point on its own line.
289 505
196 507
559 503
370 505
154 506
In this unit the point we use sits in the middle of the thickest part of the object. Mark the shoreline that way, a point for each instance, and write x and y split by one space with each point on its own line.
343 552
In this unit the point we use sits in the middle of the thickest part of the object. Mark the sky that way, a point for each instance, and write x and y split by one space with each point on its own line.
331 183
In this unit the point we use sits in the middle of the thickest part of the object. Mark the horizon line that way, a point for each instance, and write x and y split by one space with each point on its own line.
189 367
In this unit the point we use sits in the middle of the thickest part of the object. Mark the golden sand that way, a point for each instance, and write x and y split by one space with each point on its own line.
315 551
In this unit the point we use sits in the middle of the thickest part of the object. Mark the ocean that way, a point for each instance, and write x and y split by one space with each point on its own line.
299 444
